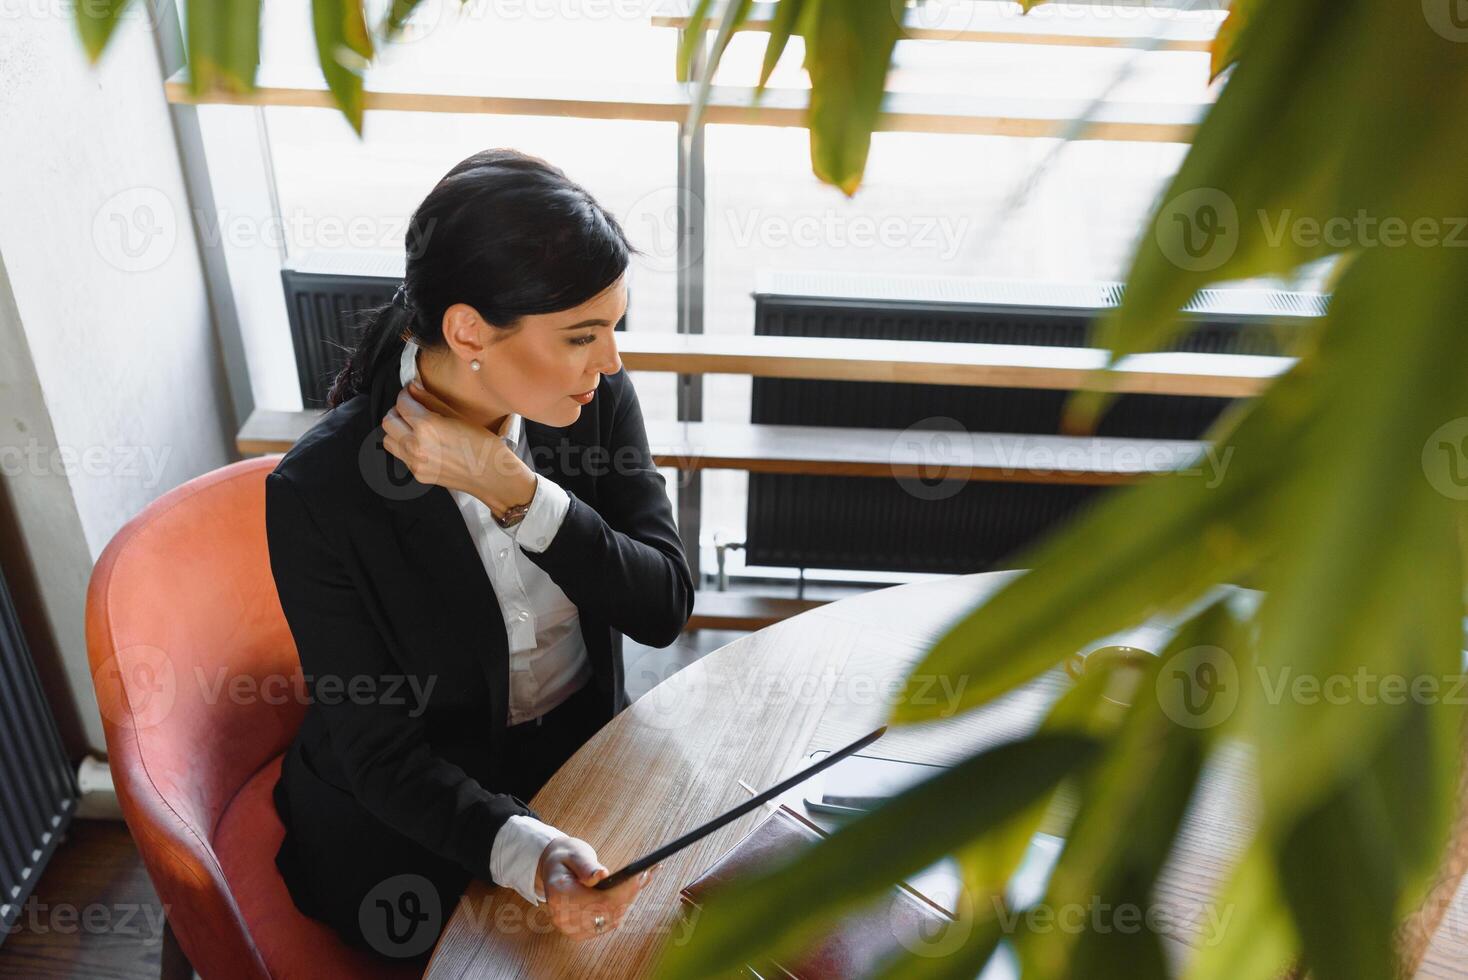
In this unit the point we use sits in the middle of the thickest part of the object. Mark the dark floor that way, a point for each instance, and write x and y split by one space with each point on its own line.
94 913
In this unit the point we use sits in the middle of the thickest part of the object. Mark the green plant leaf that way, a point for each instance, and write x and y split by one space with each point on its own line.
1392 813
692 37
1142 551
788 15
750 918
735 14
1328 83
1205 228
848 49
1227 42
397 15
962 962
1391 824
784 23
1368 582
95 22
1256 938
1095 706
1132 804
223 40
1297 64
1344 910
344 48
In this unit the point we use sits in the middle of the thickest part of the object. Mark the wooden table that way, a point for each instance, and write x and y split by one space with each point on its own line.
751 711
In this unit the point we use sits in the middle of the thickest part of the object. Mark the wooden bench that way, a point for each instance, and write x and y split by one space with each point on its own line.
833 451
926 362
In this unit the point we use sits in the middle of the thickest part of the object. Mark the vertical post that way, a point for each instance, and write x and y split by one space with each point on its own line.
169 42
690 300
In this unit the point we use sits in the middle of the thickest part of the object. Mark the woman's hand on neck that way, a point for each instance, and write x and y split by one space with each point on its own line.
447 379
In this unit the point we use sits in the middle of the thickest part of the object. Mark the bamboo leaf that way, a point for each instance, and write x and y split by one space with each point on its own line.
1223 51
1143 551
734 18
1393 822
1297 65
1344 912
1327 82
1258 939
1345 604
693 36
96 20
344 48
1226 43
848 48
750 918
735 14
1392 818
963 962
1132 804
1096 705
788 15
397 16
223 41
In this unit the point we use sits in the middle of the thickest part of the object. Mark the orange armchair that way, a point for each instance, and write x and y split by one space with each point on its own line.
198 684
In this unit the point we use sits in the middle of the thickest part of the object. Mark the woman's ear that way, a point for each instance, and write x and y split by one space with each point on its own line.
465 331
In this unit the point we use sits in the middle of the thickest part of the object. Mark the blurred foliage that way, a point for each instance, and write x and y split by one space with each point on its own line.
1338 134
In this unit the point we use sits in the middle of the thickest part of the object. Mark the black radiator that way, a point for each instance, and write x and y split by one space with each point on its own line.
322 296
873 524
38 789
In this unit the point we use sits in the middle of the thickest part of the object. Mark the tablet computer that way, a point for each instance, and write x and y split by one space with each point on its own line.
703 830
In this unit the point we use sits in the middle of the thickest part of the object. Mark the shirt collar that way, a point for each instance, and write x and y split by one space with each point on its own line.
513 426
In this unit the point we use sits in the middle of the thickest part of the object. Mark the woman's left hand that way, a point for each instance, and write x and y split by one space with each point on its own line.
441 448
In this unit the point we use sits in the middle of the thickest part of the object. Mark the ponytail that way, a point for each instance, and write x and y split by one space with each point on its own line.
380 339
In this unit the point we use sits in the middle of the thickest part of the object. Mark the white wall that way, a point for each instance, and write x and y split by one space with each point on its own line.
113 389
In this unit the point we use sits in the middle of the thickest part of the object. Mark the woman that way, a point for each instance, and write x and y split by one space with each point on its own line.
459 545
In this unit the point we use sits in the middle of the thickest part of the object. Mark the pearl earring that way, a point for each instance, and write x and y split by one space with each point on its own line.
474 365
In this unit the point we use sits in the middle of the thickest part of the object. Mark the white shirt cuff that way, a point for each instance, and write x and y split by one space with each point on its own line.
547 510
515 855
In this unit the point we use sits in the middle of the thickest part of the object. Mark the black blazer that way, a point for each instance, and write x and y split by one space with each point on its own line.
381 584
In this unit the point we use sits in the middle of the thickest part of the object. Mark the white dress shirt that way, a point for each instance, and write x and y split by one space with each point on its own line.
548 658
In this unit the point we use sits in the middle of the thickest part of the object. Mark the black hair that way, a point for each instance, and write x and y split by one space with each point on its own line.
503 231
